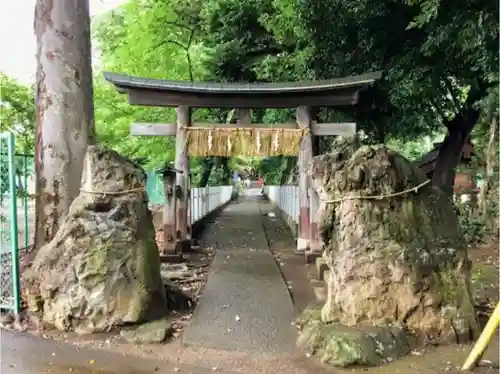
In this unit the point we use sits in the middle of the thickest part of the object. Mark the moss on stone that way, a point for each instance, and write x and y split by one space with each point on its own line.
446 283
309 315
343 346
393 260
95 260
102 268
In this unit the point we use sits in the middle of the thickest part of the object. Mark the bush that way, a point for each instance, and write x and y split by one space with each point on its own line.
471 223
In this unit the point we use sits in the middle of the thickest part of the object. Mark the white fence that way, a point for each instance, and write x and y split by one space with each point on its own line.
205 200
286 198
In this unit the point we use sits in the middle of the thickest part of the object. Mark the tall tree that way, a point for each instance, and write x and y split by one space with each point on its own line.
437 57
142 38
64 108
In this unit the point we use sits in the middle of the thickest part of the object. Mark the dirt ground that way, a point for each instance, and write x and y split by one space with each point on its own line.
485 276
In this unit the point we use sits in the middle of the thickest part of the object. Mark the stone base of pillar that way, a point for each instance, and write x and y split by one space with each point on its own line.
302 244
183 246
320 291
321 268
171 258
311 256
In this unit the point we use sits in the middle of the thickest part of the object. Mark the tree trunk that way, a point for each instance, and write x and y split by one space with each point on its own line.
459 130
491 160
290 163
226 173
208 163
64 108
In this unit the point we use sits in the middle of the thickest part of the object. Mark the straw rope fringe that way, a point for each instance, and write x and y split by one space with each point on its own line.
380 197
243 141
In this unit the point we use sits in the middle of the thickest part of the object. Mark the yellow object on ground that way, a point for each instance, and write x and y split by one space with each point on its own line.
485 337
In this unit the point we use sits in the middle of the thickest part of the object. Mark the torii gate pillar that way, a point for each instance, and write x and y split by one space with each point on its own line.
183 234
304 120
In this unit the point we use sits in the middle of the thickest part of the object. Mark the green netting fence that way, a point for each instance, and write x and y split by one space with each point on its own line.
9 233
154 188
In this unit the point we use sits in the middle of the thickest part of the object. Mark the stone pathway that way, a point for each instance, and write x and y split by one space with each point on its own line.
246 304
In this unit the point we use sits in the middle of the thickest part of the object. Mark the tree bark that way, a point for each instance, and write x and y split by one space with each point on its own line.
226 173
64 108
459 130
491 160
208 163
290 164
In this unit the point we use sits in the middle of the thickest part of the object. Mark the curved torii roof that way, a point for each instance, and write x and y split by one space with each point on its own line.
160 92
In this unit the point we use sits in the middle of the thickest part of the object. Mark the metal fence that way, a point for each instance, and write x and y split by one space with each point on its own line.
204 200
17 212
9 233
286 198
25 194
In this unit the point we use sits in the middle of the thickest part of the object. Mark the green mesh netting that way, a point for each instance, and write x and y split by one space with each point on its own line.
154 188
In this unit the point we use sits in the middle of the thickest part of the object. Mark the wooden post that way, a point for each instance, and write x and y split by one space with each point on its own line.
182 165
304 120
169 213
314 202
315 244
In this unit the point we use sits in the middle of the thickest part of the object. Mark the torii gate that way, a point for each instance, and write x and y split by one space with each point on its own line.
184 96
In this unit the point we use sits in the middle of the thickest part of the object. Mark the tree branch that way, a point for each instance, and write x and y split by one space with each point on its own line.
451 90
176 24
188 54
439 111
162 43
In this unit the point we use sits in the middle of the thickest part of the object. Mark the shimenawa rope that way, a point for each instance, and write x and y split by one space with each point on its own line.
124 192
380 197
114 193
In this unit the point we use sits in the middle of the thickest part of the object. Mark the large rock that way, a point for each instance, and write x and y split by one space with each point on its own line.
102 268
396 262
155 332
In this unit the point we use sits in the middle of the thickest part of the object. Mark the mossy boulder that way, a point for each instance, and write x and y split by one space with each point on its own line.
102 268
396 255
155 332
339 345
